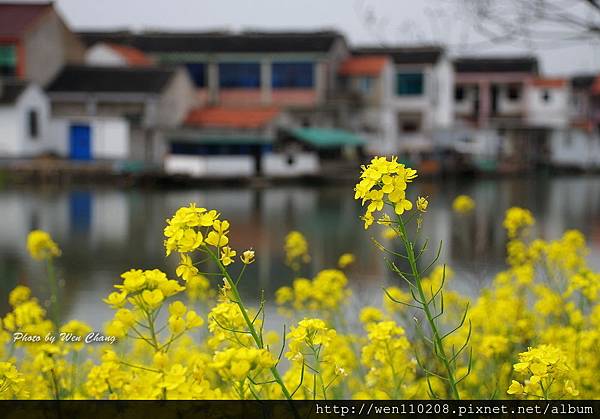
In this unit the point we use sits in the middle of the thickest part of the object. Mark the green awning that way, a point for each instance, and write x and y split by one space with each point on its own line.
327 137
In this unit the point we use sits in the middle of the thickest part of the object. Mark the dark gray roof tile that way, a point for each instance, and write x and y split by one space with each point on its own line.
404 54
218 42
10 91
111 79
517 64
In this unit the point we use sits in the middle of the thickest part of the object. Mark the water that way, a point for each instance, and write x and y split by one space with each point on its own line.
106 231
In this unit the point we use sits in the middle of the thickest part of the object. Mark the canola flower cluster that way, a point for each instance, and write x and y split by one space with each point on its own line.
534 333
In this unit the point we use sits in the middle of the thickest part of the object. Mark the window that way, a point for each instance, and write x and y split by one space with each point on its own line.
546 96
409 84
33 124
292 75
514 92
239 75
459 93
197 73
8 60
364 84
408 124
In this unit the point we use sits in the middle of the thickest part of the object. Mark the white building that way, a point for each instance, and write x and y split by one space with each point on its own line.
117 113
575 148
24 120
547 103
413 96
234 143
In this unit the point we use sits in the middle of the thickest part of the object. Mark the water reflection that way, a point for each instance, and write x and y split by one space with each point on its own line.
104 232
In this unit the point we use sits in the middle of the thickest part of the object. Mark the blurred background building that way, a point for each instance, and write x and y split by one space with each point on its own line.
277 104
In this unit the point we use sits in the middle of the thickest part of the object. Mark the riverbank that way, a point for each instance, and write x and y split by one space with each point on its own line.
65 172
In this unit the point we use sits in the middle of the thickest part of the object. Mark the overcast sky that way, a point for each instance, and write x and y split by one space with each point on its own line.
362 21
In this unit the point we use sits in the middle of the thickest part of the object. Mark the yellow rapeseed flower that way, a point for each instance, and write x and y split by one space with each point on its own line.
248 257
422 204
517 220
41 246
463 204
392 179
345 260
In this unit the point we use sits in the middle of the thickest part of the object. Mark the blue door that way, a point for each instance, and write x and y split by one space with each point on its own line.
80 142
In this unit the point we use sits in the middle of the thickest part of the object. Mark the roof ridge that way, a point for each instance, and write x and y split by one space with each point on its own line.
119 69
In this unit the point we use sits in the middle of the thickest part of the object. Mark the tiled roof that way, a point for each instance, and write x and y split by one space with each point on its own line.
218 42
368 65
16 18
84 79
518 64
10 90
133 56
404 54
549 83
240 118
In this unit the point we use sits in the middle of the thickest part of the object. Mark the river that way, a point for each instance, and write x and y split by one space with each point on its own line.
105 231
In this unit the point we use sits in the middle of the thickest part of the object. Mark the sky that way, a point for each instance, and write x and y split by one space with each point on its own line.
362 21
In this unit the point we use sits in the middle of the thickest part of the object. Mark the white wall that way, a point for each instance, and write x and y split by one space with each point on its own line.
551 113
110 137
103 55
15 141
507 106
444 107
293 164
209 166
575 148
10 135
467 105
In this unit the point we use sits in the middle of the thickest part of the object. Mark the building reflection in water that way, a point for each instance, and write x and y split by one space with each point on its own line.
104 232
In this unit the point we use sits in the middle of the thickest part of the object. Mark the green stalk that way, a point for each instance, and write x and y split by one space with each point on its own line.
251 328
430 320
53 292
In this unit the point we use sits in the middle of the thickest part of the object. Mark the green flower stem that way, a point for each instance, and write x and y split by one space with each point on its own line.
53 292
257 338
74 362
152 331
439 346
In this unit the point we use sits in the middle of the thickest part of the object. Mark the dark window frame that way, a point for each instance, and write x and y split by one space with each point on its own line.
239 75
513 92
8 67
198 73
293 75
459 93
546 96
410 83
33 124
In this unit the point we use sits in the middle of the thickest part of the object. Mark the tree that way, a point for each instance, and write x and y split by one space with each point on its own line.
535 22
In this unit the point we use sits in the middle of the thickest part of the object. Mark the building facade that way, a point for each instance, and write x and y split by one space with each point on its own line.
35 42
24 120
404 101
118 113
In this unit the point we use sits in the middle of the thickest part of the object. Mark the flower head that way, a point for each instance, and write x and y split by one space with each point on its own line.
422 204
41 246
383 182
463 204
345 260
517 220
248 257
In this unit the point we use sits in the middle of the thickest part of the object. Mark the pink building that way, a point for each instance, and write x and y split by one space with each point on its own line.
491 91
